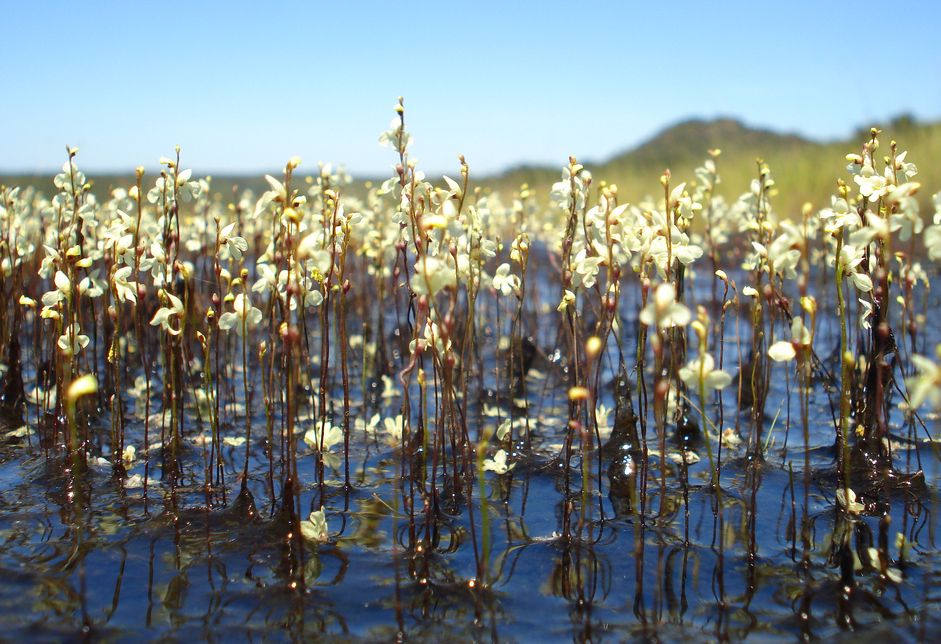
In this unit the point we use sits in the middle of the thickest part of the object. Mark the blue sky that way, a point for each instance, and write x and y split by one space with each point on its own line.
242 86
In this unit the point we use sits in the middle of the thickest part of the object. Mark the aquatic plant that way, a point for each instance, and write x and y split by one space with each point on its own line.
429 335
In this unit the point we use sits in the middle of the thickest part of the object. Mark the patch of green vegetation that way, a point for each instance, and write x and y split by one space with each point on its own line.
803 169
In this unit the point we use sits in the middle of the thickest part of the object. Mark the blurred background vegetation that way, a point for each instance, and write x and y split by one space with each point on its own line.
804 170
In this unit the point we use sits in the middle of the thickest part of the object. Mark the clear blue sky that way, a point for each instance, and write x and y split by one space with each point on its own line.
242 86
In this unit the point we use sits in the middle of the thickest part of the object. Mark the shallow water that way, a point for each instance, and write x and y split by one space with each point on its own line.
84 553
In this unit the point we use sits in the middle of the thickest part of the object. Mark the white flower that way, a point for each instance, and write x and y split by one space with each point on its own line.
396 137
701 370
231 245
782 350
72 341
731 439
850 259
367 426
268 278
783 255
926 386
568 299
244 317
865 315
664 311
906 169
432 337
62 282
124 290
393 428
315 527
498 464
933 241
504 281
519 249
91 286
839 215
432 275
63 288
585 269
165 316
504 429
70 179
333 436
850 504
871 184
562 194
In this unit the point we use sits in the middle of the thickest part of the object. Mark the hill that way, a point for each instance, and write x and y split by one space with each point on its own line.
803 169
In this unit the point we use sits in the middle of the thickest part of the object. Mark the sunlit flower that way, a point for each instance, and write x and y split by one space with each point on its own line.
432 275
504 281
872 185
231 245
850 259
498 464
244 316
568 299
731 439
585 269
393 428
847 500
839 215
317 438
571 187
865 314
701 370
73 340
124 290
783 350
170 318
315 527
926 385
91 285
63 288
396 137
663 310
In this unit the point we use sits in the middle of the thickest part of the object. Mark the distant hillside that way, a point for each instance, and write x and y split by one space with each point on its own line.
804 170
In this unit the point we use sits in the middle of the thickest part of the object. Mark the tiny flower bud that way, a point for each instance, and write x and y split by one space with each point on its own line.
578 393
809 304
593 346
80 387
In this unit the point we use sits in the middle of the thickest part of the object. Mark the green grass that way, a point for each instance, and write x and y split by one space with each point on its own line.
803 170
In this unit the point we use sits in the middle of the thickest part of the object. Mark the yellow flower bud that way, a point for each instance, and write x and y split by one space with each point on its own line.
809 304
80 387
578 393
593 346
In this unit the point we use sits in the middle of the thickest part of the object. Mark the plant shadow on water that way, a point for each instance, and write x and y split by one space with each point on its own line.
398 443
